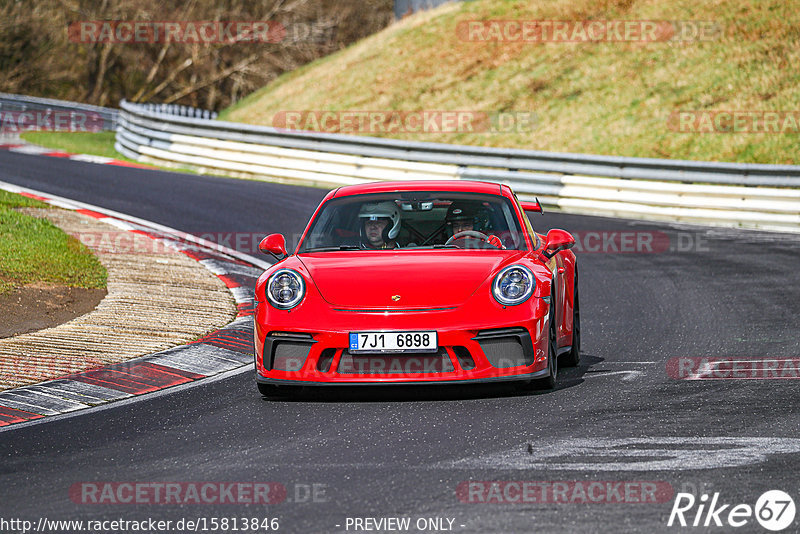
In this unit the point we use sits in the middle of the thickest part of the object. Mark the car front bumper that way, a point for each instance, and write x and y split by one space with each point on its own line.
505 344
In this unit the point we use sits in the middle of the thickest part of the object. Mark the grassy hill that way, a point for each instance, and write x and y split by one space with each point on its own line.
590 97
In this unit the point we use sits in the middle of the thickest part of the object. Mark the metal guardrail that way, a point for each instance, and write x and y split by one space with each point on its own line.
102 118
181 111
689 191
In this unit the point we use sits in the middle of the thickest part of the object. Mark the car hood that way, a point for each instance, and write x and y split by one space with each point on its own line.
407 279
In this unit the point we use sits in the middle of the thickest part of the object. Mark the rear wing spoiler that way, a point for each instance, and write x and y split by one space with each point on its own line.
527 205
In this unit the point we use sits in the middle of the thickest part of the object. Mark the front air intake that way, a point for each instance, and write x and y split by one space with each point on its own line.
286 351
464 358
289 356
506 347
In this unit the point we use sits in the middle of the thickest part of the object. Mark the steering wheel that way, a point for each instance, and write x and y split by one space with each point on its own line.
468 233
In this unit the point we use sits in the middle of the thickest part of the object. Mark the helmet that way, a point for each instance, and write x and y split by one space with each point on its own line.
383 210
465 210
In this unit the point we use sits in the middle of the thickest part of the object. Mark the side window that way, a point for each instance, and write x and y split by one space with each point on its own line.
528 225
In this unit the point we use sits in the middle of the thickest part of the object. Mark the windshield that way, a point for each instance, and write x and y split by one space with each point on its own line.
412 220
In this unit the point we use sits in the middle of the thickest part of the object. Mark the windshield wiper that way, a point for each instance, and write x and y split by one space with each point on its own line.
328 249
431 246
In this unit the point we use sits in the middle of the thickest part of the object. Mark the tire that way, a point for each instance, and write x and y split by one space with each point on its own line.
573 357
549 382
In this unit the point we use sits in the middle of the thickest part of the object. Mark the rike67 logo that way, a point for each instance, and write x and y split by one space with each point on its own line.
774 511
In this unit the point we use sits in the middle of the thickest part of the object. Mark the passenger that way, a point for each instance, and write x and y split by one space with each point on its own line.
380 224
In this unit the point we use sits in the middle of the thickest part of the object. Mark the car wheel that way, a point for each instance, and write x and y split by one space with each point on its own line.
573 357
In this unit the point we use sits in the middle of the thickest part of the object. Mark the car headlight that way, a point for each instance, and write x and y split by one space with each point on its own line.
513 285
285 289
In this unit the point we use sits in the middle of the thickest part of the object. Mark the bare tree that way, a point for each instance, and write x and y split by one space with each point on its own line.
42 54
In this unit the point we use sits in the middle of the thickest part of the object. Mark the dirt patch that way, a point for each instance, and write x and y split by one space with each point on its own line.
39 306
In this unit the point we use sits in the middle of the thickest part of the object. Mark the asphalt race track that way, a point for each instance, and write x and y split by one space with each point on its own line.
622 421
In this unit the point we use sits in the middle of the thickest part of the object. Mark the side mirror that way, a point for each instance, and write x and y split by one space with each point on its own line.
557 240
274 244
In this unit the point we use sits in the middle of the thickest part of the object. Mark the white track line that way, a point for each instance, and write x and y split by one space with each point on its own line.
130 400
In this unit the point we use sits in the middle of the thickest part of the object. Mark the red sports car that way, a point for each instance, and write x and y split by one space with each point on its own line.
418 283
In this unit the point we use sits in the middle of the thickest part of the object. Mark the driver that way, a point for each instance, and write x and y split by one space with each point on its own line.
461 217
380 224
466 216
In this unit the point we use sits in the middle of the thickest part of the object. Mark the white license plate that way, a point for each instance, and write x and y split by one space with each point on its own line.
394 341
